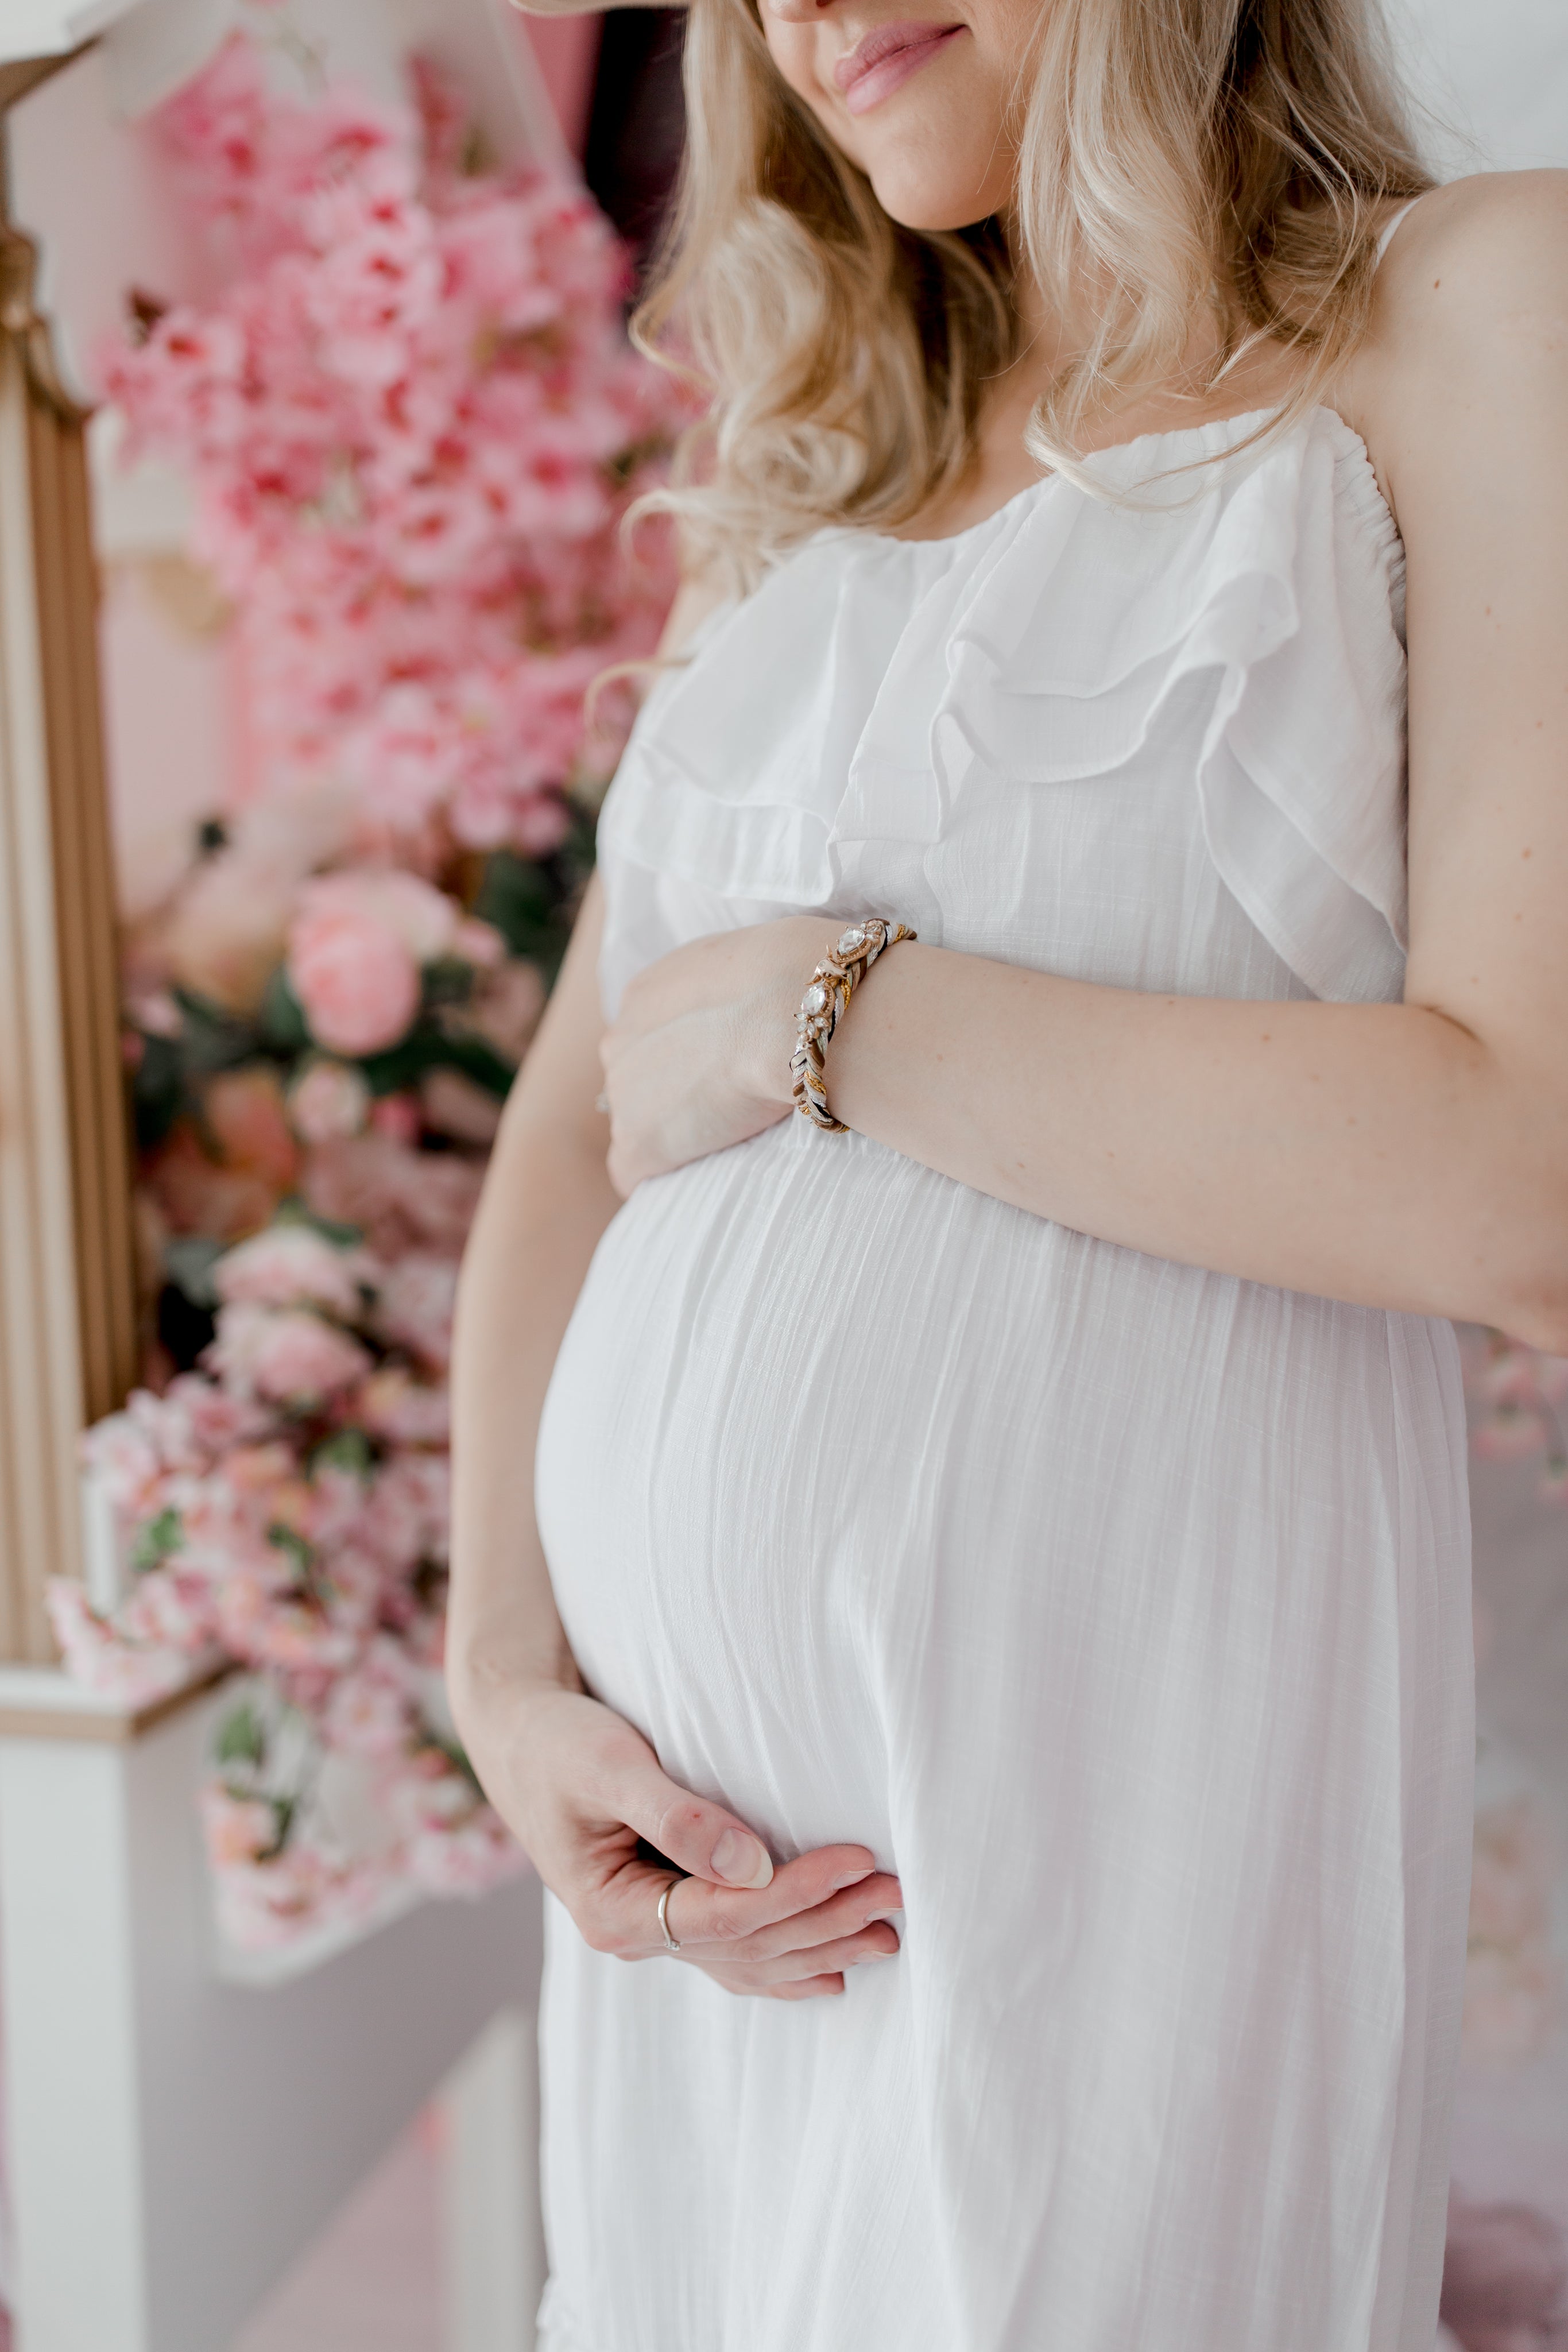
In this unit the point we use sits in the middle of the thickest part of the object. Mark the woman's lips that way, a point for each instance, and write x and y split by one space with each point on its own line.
884 60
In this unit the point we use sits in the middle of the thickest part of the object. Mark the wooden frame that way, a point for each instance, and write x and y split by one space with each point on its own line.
67 1291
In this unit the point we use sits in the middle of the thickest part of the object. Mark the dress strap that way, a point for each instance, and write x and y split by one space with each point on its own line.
1391 227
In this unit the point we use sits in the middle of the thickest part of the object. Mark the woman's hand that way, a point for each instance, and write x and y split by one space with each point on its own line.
584 1793
698 1056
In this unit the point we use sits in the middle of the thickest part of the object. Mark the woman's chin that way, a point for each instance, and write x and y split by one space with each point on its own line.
910 199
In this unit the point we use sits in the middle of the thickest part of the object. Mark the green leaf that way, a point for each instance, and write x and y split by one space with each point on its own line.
293 1211
347 1449
242 1738
157 1541
301 1552
158 1092
283 1812
212 1038
477 1059
519 899
448 980
189 1260
283 1026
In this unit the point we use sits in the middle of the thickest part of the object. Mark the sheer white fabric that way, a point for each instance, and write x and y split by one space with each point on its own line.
1121 1607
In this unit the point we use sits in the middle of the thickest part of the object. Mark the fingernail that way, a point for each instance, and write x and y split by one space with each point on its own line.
852 1878
740 1860
861 1957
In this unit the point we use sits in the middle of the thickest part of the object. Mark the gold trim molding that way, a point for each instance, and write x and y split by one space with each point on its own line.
68 1309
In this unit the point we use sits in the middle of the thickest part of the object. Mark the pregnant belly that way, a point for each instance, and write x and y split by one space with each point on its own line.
836 1449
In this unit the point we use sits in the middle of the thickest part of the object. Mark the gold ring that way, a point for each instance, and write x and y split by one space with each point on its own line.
672 1943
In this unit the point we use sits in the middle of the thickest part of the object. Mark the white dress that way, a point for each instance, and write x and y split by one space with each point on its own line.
1122 1608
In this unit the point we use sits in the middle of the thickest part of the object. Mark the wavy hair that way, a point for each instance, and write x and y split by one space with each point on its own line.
1210 165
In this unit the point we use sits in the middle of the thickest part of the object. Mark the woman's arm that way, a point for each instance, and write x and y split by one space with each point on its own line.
1412 1156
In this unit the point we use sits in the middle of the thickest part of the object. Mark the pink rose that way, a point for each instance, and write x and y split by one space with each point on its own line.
425 920
290 1356
291 1266
357 983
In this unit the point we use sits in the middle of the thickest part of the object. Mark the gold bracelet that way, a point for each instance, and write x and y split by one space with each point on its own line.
831 986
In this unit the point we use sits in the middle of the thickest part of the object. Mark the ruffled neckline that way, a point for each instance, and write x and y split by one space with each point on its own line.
1215 437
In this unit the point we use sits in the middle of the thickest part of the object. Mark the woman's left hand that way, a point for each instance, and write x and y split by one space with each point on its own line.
698 1056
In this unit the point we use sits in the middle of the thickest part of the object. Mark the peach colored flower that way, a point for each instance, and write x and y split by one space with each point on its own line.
195 1194
224 938
244 1110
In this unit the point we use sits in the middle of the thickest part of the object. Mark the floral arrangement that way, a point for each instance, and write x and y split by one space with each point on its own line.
1513 1978
414 427
1518 1397
288 1508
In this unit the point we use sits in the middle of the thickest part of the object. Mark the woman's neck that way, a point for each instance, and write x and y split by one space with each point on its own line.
1001 466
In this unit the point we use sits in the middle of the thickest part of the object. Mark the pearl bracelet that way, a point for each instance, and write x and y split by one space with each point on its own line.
831 986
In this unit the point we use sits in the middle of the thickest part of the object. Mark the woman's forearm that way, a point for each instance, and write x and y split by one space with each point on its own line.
546 1203
544 1211
1376 1153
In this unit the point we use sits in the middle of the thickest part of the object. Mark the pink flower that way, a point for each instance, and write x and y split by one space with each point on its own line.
1511 1435
415 1305
370 1711
400 1199
290 1356
238 1829
356 946
1505 2271
328 1099
377 279
100 1660
398 1118
291 1266
170 1608
123 1457
357 983
392 1404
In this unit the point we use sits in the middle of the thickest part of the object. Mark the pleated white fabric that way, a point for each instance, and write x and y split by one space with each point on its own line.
1121 1607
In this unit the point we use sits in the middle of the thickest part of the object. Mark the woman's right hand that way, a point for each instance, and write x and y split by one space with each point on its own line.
583 1792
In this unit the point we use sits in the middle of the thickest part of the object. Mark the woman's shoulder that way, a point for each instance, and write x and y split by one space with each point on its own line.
1468 338
1474 286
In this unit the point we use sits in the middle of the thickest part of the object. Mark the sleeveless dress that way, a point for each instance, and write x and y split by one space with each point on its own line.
1121 1607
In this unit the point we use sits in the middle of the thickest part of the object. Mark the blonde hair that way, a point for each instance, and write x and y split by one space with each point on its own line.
1226 161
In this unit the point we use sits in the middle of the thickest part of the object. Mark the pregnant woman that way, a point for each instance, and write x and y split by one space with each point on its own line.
961 1580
